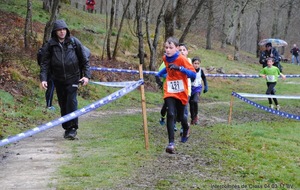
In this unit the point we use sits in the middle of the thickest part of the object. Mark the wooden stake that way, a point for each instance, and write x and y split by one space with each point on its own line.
230 110
143 99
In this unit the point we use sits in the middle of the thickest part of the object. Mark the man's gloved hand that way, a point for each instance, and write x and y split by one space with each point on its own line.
174 67
158 82
205 89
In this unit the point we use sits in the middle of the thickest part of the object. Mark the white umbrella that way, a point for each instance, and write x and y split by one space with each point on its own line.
275 42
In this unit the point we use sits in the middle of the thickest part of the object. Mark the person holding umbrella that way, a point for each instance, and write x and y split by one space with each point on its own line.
272 53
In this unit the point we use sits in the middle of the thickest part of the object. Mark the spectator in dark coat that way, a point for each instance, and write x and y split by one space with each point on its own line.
65 59
270 52
295 54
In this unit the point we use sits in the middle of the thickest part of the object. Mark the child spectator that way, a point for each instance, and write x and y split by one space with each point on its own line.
196 90
178 69
90 4
271 73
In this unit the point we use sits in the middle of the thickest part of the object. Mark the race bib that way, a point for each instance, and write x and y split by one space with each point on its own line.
175 86
270 78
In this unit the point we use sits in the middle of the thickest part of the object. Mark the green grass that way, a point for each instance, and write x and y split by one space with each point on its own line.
259 153
258 149
112 148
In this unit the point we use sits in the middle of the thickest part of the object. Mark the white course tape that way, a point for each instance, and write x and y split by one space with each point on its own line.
268 96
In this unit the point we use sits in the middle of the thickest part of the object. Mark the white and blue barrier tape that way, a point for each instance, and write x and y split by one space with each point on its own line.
268 96
121 70
74 114
155 72
276 112
114 84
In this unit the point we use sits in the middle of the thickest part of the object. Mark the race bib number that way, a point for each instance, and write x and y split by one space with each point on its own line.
270 78
175 86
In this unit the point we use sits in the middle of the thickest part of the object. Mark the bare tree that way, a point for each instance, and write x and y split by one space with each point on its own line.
238 31
225 25
117 13
153 45
179 17
28 24
106 27
101 6
289 16
47 4
120 29
169 19
210 24
54 14
191 20
112 12
258 27
139 31
232 24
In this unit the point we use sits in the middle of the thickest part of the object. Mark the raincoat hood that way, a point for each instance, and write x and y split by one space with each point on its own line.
59 24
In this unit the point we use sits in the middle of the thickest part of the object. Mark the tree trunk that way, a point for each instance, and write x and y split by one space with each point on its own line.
169 20
117 13
179 18
189 24
224 28
288 21
237 40
274 33
112 12
258 27
106 27
101 6
120 29
139 30
47 4
153 46
28 24
233 24
210 24
54 14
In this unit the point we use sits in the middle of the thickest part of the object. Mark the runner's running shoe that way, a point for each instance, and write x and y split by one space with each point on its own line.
162 121
170 148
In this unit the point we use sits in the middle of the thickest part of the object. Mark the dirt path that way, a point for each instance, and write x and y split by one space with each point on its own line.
32 162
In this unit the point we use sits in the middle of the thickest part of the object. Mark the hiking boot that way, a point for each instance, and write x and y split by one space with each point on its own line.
170 148
185 136
70 134
162 121
271 106
278 107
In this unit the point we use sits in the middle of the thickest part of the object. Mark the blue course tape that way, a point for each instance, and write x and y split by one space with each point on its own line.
154 73
74 114
114 84
121 70
279 113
